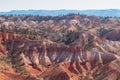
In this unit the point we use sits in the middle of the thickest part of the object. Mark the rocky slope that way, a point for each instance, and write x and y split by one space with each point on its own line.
58 61
84 54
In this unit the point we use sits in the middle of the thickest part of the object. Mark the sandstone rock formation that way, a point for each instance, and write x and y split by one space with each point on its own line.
41 52
55 61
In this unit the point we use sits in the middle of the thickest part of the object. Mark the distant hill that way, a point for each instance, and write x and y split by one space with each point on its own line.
104 13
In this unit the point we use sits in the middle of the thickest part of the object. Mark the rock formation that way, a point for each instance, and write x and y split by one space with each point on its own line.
93 53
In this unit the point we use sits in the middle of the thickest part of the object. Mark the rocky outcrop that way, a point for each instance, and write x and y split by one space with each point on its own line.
73 47
70 62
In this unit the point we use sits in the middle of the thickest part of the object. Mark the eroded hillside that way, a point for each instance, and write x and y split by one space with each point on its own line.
72 47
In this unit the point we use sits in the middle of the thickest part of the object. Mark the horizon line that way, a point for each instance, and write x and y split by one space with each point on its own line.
58 9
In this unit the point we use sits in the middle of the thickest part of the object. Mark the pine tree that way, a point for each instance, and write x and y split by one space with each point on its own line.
16 59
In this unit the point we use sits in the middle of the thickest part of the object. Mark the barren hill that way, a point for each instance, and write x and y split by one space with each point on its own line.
72 47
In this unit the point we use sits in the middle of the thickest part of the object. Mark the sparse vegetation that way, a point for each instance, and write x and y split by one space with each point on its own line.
16 60
66 46
5 59
103 31
70 37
